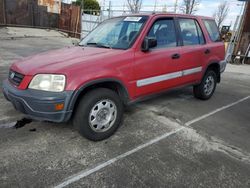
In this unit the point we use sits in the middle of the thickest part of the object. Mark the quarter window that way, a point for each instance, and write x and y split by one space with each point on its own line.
164 32
191 32
213 30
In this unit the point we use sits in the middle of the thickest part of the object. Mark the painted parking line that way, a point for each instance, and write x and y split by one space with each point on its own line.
87 172
215 111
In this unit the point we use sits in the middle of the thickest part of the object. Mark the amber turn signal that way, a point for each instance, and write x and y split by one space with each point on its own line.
59 106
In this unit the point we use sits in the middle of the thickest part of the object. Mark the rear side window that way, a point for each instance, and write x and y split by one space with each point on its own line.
191 32
213 30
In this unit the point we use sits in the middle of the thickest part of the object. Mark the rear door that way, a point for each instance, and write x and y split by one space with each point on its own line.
193 51
216 46
158 68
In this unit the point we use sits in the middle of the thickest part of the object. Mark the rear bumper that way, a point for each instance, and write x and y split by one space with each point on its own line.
223 65
39 105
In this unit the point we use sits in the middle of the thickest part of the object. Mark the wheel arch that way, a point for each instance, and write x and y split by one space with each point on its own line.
109 83
215 66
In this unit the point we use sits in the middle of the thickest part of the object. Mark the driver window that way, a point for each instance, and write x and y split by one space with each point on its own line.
164 32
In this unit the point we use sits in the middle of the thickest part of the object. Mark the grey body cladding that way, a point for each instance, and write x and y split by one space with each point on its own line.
169 76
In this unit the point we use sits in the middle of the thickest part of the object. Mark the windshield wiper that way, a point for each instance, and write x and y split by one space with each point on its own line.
99 45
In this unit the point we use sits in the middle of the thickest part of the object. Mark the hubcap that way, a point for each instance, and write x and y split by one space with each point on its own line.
103 115
209 85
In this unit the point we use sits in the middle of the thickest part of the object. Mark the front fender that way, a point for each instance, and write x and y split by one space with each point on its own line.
80 90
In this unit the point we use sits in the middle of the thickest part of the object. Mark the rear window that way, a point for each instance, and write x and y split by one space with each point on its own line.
213 30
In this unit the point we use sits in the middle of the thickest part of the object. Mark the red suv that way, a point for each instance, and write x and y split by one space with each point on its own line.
124 59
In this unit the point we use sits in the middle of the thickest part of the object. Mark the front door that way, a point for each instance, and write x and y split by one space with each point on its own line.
158 68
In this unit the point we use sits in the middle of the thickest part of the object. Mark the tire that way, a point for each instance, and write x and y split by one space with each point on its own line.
98 114
206 88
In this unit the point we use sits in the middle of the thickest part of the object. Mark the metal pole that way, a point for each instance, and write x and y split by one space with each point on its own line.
234 39
230 47
81 11
242 11
175 6
82 5
109 9
155 5
103 11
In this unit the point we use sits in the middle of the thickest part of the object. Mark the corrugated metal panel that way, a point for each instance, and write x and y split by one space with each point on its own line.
28 12
36 13
245 35
69 19
244 39
246 27
2 12
53 6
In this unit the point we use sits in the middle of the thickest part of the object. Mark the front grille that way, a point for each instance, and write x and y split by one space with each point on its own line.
15 77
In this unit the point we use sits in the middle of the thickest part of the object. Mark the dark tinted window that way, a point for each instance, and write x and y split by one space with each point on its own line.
164 32
191 32
213 30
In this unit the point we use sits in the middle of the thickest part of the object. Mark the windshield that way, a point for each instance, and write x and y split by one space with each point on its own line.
117 33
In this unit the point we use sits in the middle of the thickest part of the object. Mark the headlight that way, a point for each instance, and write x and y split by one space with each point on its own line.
48 82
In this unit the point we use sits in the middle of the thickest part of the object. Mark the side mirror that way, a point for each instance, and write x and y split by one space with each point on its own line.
148 42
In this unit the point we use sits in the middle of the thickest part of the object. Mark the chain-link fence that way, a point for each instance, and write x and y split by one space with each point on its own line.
93 17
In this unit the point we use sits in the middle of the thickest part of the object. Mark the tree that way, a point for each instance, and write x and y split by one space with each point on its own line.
221 13
134 5
89 6
190 6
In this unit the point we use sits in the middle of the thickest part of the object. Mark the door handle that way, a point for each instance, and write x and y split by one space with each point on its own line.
207 51
176 56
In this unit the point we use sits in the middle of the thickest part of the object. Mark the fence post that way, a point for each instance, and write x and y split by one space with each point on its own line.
33 15
77 21
4 12
109 9
82 13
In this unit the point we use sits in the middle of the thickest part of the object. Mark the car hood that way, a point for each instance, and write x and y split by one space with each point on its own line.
59 61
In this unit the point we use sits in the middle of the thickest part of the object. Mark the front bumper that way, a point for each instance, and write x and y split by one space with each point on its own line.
39 105
223 65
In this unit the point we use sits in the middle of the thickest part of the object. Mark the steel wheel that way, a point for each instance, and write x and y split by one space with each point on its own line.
209 85
103 115
206 88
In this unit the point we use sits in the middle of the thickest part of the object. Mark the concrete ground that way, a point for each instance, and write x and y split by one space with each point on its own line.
173 140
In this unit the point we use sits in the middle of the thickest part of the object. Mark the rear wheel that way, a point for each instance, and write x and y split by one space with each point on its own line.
99 114
207 87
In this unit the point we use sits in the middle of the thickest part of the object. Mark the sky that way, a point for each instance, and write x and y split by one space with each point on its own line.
205 8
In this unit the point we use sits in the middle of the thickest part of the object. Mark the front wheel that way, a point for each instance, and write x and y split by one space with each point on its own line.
99 114
207 87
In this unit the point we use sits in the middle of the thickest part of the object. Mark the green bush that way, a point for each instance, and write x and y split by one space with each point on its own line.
89 6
